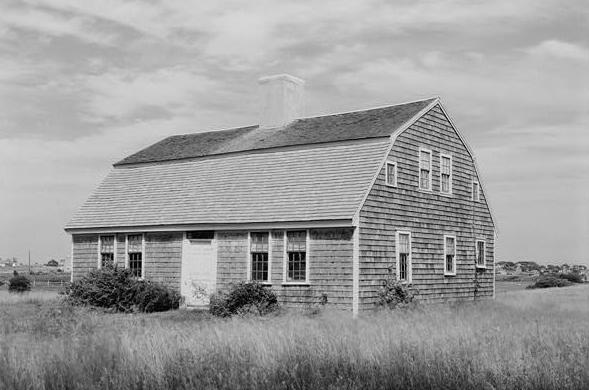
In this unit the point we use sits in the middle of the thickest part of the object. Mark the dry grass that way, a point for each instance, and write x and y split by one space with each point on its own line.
524 340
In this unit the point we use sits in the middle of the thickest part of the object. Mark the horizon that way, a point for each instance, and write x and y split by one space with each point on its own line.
85 85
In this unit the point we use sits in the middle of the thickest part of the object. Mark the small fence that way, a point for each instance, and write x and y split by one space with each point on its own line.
48 283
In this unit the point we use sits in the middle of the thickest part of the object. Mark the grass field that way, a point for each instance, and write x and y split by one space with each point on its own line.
528 339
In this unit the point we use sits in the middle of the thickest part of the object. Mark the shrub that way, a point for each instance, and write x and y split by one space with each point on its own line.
116 289
394 294
546 281
572 277
244 298
19 284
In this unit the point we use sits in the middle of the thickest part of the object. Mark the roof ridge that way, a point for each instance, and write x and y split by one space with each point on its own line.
369 109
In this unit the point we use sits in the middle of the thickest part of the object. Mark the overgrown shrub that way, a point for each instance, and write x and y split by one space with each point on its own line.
244 298
19 284
572 277
118 290
394 294
546 281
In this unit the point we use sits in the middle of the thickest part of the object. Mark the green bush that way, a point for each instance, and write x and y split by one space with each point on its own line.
244 298
19 284
394 294
572 277
546 281
118 290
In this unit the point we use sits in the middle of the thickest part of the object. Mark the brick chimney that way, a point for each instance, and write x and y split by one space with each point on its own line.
282 100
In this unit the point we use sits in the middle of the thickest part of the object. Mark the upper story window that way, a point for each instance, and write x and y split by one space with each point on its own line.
445 173
391 174
480 249
425 169
259 256
135 254
296 256
476 191
403 241
449 255
107 251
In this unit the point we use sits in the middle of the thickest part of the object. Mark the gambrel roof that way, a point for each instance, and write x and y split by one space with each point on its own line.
314 169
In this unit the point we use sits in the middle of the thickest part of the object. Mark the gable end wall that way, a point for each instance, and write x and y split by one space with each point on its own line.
428 216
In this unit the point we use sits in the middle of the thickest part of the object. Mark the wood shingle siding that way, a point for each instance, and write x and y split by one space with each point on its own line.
85 253
428 215
323 182
329 258
163 258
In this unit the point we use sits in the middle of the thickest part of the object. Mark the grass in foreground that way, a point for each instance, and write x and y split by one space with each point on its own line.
527 340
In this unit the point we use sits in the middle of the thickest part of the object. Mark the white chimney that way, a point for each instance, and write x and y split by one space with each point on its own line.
282 100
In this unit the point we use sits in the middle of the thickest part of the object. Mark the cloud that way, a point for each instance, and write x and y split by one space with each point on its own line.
560 50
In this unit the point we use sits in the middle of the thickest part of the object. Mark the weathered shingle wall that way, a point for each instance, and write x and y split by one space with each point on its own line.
163 258
85 253
330 262
428 216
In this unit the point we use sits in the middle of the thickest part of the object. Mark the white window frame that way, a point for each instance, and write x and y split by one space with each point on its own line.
285 280
424 150
114 255
453 272
476 195
127 265
476 251
249 256
409 258
449 156
394 164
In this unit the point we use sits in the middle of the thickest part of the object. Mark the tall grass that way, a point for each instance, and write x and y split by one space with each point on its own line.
526 341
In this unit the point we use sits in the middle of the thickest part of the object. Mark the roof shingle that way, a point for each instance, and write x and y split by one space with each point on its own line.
378 122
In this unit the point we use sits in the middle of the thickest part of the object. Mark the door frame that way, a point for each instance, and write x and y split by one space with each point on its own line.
214 246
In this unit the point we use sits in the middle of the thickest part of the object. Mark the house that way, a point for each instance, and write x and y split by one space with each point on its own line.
311 206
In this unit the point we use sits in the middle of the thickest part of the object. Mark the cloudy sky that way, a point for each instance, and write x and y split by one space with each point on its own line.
84 83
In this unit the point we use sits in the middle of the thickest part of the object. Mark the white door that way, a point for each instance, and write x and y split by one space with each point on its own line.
199 271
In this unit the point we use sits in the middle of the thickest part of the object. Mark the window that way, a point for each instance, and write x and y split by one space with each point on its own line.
403 241
391 174
449 255
107 251
476 196
296 254
259 250
480 247
445 174
425 169
135 254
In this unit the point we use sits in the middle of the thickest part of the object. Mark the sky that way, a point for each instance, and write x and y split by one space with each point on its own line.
85 83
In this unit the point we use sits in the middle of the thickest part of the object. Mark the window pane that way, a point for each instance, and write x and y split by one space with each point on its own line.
445 183
107 244
403 266
450 245
296 241
259 267
424 160
107 259
450 263
475 191
445 168
297 266
259 242
136 263
135 243
403 243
